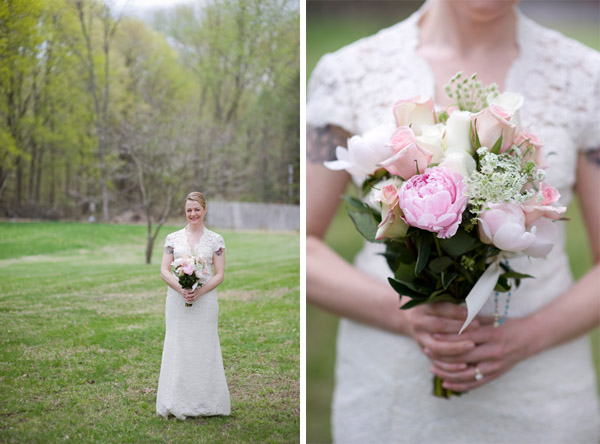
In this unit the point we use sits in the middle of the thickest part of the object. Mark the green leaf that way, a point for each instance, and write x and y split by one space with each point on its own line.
447 278
475 137
439 264
502 285
356 204
365 224
459 244
424 247
405 272
515 275
404 290
497 146
412 303
442 297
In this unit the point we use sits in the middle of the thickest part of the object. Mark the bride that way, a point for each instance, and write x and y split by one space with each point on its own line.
192 380
531 380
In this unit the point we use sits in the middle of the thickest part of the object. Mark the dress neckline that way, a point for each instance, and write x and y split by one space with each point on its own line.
191 247
520 37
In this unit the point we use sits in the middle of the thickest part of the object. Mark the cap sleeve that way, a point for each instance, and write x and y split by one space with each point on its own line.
169 243
590 132
219 244
328 96
588 102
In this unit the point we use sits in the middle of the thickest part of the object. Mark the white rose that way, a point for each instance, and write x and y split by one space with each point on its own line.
458 132
459 161
431 139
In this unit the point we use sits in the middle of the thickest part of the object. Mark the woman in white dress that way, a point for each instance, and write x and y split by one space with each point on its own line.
538 383
192 380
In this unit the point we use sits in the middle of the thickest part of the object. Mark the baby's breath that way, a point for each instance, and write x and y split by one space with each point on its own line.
502 178
469 93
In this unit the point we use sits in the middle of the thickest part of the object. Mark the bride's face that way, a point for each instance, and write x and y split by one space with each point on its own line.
482 11
194 213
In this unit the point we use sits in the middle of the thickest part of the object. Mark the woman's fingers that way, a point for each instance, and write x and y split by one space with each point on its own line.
445 350
448 310
448 367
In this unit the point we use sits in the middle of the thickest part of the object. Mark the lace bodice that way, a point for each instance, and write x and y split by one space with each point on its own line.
209 243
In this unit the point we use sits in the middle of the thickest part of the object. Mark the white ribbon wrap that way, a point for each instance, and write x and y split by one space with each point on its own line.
481 291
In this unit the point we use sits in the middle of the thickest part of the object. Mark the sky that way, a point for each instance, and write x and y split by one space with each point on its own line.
141 8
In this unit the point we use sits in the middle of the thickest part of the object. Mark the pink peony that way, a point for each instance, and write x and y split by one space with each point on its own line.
505 226
188 269
434 201
408 158
414 112
491 123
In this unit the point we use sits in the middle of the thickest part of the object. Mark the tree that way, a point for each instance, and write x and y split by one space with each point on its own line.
149 133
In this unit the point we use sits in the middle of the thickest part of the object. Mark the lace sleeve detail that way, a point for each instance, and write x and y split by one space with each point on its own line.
219 245
328 98
169 244
590 131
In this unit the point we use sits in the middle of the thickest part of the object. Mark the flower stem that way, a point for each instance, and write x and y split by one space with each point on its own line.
437 245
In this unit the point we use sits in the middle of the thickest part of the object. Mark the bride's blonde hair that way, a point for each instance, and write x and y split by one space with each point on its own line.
197 196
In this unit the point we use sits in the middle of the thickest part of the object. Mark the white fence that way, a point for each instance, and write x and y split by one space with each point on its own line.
253 216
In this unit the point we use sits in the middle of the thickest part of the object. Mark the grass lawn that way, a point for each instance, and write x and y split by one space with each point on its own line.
327 34
82 329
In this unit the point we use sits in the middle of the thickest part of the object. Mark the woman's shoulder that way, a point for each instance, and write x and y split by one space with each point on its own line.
176 234
557 50
212 235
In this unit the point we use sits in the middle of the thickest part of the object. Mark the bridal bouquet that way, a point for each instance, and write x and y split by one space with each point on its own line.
192 271
453 194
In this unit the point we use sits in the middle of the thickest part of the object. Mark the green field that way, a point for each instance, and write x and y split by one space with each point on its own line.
327 34
82 328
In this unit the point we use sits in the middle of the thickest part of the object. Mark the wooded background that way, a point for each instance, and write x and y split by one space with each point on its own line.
104 109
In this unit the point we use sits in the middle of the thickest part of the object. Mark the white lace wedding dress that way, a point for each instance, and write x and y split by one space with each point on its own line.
192 380
383 383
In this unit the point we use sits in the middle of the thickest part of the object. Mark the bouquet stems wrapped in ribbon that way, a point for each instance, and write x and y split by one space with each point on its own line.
453 194
192 272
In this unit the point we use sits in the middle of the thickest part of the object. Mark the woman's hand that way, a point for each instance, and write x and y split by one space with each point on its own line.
497 350
428 322
192 295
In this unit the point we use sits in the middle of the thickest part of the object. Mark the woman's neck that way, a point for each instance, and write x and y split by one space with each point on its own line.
451 41
196 229
446 28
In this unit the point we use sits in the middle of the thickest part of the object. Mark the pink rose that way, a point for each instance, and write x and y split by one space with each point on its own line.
392 225
408 156
492 123
188 269
524 139
434 201
414 112
534 210
198 274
